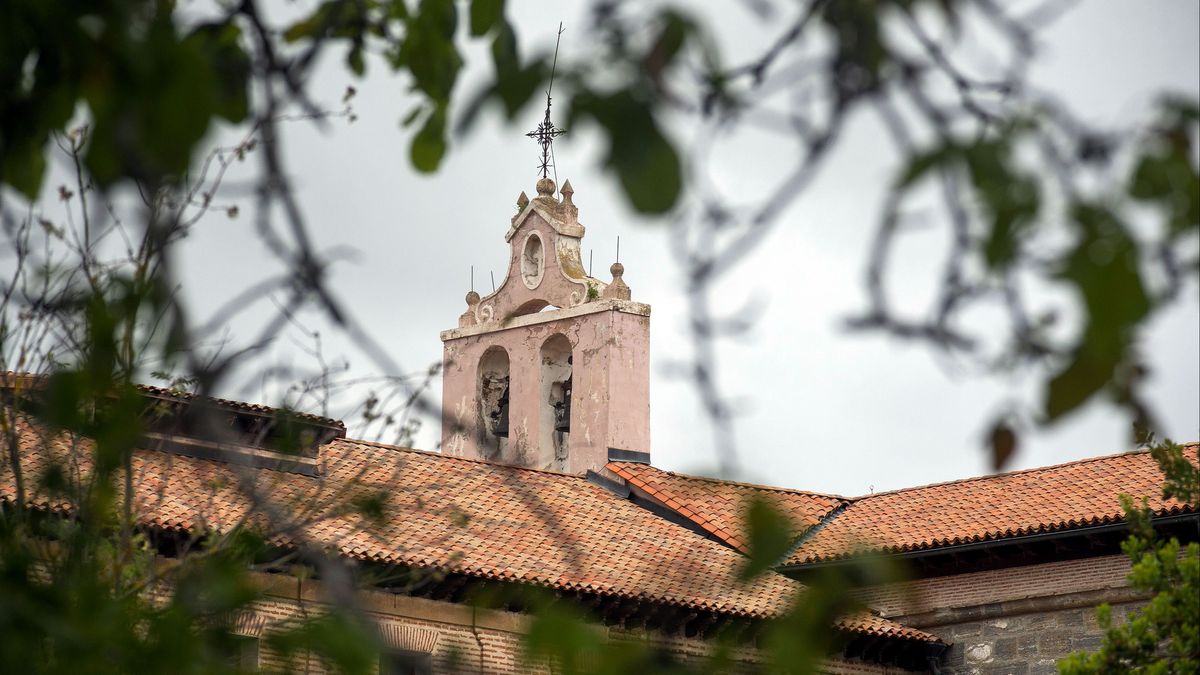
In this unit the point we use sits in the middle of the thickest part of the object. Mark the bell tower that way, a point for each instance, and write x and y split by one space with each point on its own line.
552 370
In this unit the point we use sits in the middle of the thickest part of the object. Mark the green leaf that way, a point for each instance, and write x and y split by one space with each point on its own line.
429 144
1103 270
230 64
644 161
429 50
1165 175
354 60
922 163
504 51
23 167
485 14
314 25
1011 199
672 37
770 536
152 109
1002 442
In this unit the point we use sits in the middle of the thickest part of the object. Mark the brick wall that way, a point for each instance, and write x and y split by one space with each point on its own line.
460 639
1014 583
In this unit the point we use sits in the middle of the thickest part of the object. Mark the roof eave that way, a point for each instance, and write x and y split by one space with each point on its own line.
983 544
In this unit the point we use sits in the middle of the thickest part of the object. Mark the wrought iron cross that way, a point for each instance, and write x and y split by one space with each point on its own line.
546 132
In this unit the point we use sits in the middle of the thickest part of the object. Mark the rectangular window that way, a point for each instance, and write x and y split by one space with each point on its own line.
243 653
402 662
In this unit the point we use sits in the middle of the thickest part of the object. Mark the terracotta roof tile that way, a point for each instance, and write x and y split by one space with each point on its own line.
716 505
456 515
239 405
1048 499
9 378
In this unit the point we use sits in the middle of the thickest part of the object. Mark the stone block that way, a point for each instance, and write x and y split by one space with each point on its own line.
955 656
1072 619
1005 649
1019 668
966 630
979 652
1054 643
1044 667
997 627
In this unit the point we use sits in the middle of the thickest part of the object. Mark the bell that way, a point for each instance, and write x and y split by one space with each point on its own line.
562 410
501 422
500 416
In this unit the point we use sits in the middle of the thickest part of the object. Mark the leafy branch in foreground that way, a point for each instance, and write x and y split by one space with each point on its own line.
1164 636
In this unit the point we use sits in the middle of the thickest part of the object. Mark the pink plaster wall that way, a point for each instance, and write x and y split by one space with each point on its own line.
610 401
610 348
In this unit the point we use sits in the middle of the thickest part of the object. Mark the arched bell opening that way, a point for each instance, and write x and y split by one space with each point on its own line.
555 415
493 398
531 307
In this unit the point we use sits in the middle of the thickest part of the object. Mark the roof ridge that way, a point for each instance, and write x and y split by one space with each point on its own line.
10 378
442 455
1017 472
724 481
237 403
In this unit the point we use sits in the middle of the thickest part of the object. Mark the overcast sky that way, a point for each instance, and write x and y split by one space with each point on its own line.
822 409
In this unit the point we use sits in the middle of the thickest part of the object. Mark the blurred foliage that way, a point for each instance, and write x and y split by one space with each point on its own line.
83 588
799 641
163 80
1164 636
134 88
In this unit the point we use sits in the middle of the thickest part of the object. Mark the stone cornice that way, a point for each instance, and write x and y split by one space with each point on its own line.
603 305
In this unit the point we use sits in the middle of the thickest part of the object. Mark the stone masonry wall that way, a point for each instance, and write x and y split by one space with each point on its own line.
1017 620
1023 643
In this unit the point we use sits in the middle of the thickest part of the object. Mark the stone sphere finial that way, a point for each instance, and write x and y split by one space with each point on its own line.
617 288
472 298
545 187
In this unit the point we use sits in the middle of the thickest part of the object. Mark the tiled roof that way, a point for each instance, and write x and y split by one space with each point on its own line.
1049 499
239 405
460 516
717 505
32 381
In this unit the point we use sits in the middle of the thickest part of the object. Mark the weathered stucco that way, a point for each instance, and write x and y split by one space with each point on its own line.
553 323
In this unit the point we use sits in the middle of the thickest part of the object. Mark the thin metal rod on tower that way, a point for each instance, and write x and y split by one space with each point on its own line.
546 132
553 70
590 253
472 277
493 276
618 248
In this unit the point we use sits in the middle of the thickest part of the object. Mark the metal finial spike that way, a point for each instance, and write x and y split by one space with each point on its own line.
493 276
546 132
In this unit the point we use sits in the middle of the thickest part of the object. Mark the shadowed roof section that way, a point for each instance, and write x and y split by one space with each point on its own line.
448 514
717 505
31 381
1048 499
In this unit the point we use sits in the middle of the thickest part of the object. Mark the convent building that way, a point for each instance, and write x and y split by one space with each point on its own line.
545 480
